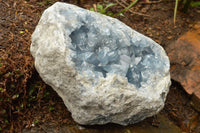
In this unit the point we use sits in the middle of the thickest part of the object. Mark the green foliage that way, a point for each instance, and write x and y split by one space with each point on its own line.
36 92
125 9
51 108
3 111
46 3
8 74
1 90
195 3
186 3
36 122
103 10
22 105
6 121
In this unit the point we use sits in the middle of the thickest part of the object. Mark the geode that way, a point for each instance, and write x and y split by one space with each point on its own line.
104 71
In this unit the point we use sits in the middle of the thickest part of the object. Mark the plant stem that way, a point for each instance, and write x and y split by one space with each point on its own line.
125 9
175 11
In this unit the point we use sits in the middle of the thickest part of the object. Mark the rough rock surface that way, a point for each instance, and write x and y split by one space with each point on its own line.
184 55
103 70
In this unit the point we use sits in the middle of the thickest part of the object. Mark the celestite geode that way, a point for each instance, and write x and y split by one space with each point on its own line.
103 70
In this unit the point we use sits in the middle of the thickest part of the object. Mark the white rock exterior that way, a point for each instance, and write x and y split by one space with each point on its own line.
125 92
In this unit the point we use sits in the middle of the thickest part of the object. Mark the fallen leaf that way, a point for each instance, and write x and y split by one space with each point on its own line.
21 32
169 37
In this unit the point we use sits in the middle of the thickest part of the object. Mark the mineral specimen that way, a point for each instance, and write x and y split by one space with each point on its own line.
104 71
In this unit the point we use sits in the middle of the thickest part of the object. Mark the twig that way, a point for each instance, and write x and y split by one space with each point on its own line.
6 3
151 2
125 9
95 7
130 10
41 127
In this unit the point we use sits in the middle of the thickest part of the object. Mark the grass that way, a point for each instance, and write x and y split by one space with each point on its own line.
175 11
104 10
187 4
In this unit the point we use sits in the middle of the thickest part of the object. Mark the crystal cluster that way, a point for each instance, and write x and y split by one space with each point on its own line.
97 53
104 71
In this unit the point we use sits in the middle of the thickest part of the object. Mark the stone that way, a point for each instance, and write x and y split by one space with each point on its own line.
104 71
184 55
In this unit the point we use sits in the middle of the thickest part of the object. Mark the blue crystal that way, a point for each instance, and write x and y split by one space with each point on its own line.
107 50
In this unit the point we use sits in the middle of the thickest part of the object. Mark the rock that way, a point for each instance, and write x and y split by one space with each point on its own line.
184 55
104 71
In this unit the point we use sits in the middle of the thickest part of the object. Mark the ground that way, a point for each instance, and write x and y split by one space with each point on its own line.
26 101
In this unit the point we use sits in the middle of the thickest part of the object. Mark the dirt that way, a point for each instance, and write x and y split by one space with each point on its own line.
19 80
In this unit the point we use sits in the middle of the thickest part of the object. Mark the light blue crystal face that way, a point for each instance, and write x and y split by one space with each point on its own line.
100 48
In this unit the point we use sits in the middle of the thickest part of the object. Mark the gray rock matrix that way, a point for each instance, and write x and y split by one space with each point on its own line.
104 71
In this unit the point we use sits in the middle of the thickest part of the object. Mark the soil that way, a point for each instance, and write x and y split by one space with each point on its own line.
26 101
